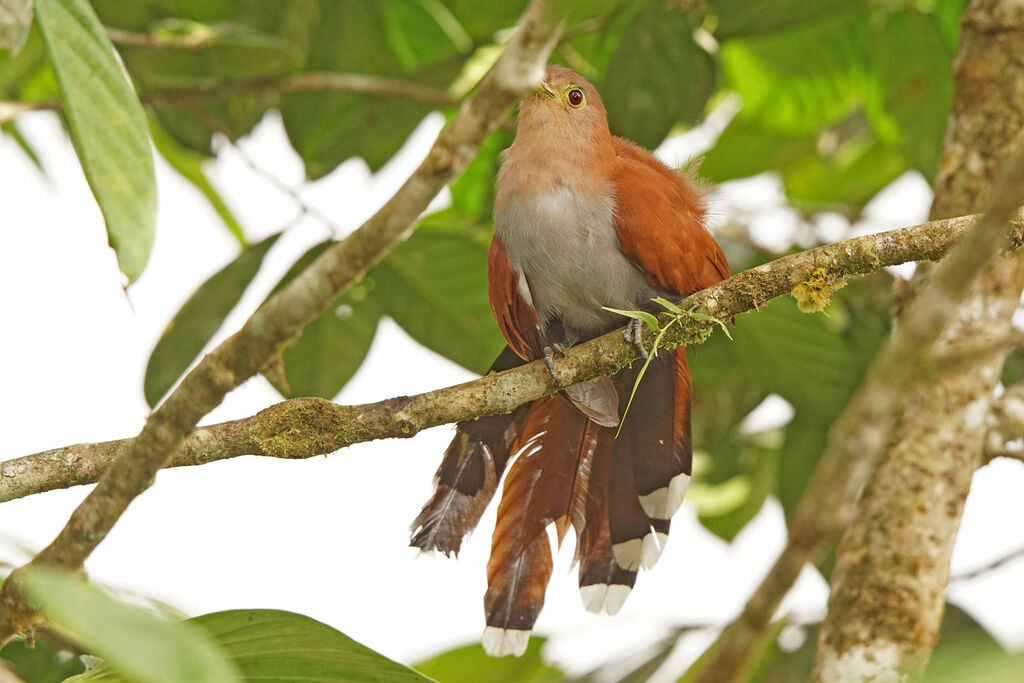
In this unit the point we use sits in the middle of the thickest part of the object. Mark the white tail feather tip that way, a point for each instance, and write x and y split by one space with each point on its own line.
629 554
600 597
499 642
653 546
663 503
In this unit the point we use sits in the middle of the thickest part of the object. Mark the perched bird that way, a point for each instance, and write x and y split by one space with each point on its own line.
582 220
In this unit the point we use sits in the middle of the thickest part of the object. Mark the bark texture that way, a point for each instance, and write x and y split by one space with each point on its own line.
888 588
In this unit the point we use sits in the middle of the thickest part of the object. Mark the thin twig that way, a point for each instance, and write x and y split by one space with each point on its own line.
989 567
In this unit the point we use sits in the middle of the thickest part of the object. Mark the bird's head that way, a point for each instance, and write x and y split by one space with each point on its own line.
566 108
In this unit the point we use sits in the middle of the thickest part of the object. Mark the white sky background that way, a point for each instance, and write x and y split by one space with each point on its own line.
327 537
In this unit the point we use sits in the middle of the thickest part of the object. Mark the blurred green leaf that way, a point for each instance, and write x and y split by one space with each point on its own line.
330 349
1013 367
852 174
15 20
43 663
910 64
762 483
199 318
966 652
816 362
470 664
108 127
796 81
657 76
273 645
190 165
749 17
745 149
11 129
434 286
473 191
947 13
229 54
132 641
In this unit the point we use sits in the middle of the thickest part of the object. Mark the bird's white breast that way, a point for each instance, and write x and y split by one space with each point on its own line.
566 246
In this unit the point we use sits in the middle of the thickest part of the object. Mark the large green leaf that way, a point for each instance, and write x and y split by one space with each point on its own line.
657 76
333 345
749 17
470 664
798 80
189 164
108 127
199 318
275 646
132 641
910 64
435 287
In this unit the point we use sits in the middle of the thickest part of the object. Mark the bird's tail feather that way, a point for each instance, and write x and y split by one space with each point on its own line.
546 485
468 476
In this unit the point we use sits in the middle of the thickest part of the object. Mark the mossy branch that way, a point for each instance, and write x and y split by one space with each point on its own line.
305 427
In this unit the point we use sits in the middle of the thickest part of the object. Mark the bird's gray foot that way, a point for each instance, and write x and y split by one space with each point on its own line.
634 335
549 359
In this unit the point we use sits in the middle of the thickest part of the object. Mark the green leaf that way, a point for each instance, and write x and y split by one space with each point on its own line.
1013 367
745 149
473 191
910 63
470 664
199 318
108 127
652 322
796 81
272 645
229 53
189 165
331 348
15 21
644 87
749 17
43 663
387 38
435 286
132 641
852 174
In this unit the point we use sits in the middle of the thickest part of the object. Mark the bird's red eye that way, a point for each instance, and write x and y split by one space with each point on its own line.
575 97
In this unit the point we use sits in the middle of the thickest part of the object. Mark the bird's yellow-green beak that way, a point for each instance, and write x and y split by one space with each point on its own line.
544 90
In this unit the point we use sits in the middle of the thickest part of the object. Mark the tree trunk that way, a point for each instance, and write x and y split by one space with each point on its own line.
888 588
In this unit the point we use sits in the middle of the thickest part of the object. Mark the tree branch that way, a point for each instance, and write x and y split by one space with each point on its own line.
305 427
307 81
282 317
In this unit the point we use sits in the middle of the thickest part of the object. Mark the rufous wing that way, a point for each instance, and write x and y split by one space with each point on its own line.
659 220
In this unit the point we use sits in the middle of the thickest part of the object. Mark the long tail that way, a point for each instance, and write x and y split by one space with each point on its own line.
468 475
618 493
546 486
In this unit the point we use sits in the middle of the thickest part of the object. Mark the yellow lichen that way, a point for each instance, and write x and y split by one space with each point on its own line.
813 294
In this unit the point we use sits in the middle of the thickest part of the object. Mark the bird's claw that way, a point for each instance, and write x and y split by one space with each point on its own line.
634 335
549 359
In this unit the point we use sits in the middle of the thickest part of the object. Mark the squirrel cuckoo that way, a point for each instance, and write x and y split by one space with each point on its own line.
582 220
